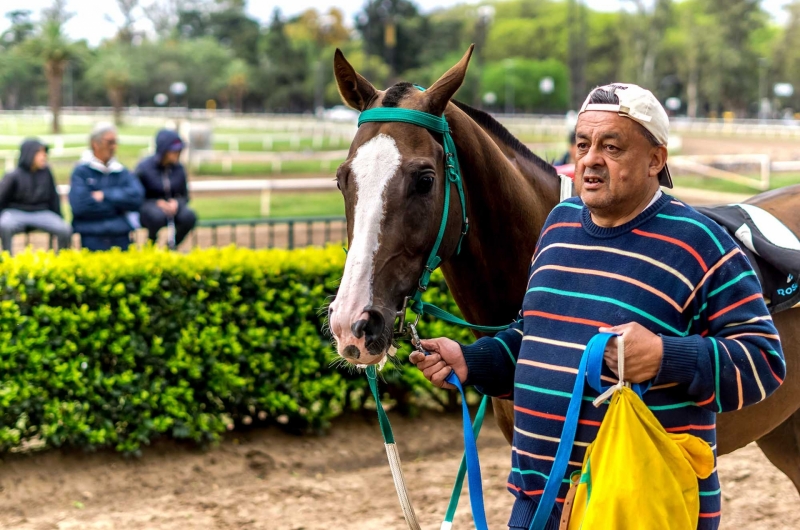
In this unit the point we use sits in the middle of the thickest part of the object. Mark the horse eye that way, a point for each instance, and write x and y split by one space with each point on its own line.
424 184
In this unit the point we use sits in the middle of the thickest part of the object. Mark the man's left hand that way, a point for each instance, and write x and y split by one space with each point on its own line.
643 352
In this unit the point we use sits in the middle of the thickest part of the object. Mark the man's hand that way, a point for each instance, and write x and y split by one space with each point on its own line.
445 357
170 207
98 196
643 352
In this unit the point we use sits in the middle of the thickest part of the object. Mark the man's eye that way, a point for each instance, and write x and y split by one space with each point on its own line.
612 148
583 146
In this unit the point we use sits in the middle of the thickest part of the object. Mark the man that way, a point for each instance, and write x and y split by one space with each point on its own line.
29 199
623 257
105 197
166 192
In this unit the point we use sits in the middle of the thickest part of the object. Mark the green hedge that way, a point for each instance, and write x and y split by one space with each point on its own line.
116 349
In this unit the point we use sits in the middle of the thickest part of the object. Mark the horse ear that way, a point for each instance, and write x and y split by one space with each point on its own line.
356 91
441 91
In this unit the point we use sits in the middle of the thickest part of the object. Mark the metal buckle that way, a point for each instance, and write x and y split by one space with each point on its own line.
402 328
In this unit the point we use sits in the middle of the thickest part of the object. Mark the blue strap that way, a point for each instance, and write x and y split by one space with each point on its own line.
473 465
593 360
595 368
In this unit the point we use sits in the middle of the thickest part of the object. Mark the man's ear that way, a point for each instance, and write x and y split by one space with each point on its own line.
658 159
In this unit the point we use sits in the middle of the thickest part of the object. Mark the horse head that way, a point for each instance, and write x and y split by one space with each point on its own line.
393 183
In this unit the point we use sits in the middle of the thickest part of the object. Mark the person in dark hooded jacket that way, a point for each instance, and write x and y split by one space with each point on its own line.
166 190
29 200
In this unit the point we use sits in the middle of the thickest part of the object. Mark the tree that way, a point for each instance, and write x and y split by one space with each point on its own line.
284 70
21 29
117 70
238 82
395 31
127 32
55 50
520 79
642 33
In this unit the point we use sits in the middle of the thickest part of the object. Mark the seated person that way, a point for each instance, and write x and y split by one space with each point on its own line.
29 200
166 192
105 197
569 156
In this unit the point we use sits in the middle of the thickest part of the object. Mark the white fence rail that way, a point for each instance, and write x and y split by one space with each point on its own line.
264 187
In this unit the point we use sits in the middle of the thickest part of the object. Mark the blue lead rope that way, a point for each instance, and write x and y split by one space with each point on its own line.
471 456
589 371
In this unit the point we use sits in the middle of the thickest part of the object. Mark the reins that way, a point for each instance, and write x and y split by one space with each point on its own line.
469 465
436 124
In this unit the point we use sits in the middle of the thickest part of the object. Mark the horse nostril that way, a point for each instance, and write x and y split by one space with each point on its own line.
374 326
358 328
351 352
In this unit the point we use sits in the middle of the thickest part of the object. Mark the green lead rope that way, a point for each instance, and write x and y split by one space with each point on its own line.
437 124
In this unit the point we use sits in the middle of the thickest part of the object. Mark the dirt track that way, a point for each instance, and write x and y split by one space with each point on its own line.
265 479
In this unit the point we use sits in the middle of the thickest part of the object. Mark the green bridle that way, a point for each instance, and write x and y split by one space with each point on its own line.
436 124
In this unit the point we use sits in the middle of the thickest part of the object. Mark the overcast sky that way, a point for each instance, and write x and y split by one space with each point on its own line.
91 23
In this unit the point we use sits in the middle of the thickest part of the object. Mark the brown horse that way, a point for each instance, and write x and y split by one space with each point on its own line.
393 186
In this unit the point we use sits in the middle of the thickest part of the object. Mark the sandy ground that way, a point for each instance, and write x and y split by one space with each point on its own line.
266 479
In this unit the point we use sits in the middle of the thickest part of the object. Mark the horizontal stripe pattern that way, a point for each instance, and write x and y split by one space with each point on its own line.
671 271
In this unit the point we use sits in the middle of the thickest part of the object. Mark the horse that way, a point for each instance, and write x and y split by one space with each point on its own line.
393 187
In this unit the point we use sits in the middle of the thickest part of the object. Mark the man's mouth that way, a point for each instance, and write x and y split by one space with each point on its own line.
592 182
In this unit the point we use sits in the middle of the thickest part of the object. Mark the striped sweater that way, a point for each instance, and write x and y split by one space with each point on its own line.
670 269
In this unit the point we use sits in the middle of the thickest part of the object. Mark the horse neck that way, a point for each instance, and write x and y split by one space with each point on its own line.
507 205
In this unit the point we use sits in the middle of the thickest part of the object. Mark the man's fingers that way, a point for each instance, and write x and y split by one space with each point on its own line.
431 371
428 360
438 378
416 357
430 345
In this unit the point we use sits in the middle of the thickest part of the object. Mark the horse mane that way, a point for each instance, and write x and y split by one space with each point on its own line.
487 122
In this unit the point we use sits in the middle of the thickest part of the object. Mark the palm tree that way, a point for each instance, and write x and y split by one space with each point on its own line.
55 50
116 70
237 78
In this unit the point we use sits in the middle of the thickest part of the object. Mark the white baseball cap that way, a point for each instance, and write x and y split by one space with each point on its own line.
640 105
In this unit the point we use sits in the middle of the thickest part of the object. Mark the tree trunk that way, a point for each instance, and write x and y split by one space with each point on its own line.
54 71
691 94
117 97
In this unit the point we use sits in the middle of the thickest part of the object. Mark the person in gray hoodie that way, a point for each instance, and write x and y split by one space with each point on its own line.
29 200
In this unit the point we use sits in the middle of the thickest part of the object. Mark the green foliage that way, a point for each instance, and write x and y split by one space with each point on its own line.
524 76
117 349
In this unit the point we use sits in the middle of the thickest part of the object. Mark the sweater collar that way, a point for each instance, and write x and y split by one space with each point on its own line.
604 233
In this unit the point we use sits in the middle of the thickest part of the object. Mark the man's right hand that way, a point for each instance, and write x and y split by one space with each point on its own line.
170 208
444 356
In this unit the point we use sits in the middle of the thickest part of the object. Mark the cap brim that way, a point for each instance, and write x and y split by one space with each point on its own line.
664 178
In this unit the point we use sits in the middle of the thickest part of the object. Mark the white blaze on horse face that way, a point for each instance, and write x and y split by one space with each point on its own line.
374 165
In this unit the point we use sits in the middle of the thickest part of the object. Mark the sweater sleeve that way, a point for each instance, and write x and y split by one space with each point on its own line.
491 361
735 358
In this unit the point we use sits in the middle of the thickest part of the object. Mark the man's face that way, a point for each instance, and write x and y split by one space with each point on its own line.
616 167
106 147
39 160
171 158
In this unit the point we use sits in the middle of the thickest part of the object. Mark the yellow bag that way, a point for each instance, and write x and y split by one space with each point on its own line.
637 475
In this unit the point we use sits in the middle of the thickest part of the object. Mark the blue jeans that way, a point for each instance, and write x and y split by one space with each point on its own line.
105 242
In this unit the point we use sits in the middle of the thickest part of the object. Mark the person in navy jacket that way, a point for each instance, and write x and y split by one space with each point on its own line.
105 197
166 191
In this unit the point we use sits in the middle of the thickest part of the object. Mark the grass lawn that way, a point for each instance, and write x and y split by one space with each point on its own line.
315 204
322 168
282 205
777 180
